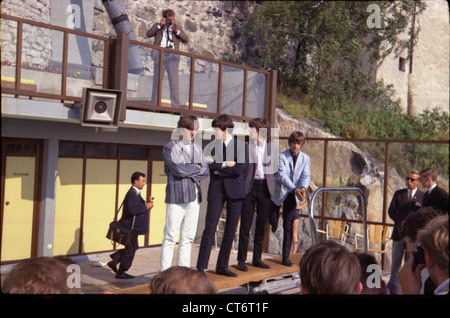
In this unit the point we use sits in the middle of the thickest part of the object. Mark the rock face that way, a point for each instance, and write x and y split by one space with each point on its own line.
348 166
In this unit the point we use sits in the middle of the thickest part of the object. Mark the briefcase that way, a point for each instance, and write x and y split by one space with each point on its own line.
118 232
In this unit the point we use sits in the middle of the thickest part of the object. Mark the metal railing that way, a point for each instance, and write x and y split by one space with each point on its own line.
250 93
314 234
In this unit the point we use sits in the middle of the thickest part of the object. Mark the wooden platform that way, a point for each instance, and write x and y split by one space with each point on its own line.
254 274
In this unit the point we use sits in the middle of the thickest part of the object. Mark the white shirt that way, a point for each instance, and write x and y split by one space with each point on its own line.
164 40
442 289
432 187
226 142
137 190
260 151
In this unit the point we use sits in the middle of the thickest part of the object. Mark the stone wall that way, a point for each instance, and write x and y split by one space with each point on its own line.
428 83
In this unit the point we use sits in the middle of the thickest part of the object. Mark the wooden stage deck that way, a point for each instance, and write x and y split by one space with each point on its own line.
254 274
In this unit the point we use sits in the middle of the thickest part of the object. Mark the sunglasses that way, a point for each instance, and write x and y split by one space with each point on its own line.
411 179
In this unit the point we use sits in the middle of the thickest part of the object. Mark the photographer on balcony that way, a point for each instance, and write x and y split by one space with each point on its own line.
168 34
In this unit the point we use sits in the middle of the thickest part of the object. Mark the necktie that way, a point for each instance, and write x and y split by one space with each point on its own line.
410 195
224 152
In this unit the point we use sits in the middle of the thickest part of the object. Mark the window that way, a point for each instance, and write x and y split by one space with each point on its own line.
402 64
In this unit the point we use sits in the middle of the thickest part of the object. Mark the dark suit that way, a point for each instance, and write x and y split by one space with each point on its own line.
257 192
226 185
398 210
401 206
170 64
438 199
133 206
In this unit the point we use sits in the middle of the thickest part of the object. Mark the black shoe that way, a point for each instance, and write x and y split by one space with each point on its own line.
286 262
225 272
242 266
274 227
201 270
113 266
124 276
259 263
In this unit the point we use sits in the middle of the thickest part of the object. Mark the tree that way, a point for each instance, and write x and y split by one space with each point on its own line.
318 46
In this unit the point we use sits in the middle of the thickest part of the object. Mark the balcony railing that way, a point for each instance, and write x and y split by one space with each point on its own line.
46 61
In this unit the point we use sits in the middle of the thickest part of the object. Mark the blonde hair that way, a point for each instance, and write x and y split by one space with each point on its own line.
434 240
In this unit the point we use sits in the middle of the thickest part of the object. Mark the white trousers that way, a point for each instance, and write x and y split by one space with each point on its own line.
180 219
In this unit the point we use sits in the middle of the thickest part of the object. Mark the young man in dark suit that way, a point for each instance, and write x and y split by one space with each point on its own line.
435 197
403 202
135 207
168 34
227 184
259 187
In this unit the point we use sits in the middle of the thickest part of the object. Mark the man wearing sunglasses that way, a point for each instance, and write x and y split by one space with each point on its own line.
403 202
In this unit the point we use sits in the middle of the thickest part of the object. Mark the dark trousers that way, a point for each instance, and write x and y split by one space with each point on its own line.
213 212
289 207
259 195
170 64
125 256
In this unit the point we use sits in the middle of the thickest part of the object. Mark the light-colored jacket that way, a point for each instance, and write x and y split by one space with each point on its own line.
288 178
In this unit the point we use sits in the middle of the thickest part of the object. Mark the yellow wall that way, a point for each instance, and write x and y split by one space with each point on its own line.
100 203
68 206
99 206
158 213
18 214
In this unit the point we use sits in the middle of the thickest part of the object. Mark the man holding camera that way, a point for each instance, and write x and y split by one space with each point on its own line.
168 35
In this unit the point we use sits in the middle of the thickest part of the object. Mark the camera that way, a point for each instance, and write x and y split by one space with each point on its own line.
419 256
168 22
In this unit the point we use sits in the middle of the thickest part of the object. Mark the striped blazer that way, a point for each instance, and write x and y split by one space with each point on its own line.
184 173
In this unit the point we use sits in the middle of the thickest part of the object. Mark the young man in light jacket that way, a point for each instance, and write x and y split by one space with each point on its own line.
293 177
185 167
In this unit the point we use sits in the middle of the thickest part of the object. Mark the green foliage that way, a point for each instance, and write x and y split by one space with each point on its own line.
317 47
325 55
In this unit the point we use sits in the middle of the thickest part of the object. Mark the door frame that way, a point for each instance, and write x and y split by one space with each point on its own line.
5 141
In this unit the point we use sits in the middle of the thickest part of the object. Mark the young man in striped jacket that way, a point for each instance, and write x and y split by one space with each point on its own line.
185 167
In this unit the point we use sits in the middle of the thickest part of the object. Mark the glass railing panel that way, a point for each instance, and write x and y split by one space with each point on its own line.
42 52
143 88
8 43
206 80
256 95
232 90
84 64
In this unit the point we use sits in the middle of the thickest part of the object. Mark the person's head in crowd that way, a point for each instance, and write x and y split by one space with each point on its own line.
428 177
434 241
365 260
181 280
259 129
189 126
296 141
224 125
329 268
43 275
413 223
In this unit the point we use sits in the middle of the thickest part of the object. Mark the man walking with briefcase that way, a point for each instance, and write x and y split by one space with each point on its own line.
135 216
